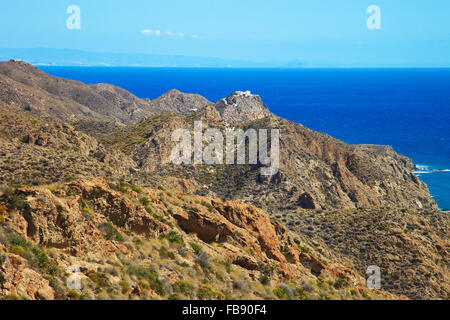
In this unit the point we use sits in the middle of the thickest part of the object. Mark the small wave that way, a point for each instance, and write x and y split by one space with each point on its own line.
421 172
423 169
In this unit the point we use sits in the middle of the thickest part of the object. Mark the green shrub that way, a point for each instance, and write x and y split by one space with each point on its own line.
238 234
136 189
195 247
162 219
125 286
301 294
19 250
174 296
150 275
190 208
226 265
110 231
205 292
11 297
16 239
122 186
73 294
264 278
266 268
16 201
340 283
144 201
85 209
183 287
366 296
149 210
209 206
172 236
35 256
281 292
99 278
44 262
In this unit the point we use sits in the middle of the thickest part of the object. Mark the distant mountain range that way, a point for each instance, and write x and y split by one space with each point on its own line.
69 57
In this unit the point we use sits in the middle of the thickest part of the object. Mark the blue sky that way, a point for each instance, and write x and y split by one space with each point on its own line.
316 33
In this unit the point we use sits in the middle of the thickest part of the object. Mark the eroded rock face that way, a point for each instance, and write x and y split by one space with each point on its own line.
119 210
19 280
85 222
242 107
320 172
242 225
62 221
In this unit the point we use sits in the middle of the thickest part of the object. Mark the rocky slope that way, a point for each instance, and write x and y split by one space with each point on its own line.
316 170
410 246
86 179
133 242
39 151
31 89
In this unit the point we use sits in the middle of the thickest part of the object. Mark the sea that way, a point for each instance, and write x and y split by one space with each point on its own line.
408 109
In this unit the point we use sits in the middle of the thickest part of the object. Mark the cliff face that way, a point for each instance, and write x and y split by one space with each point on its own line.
319 172
86 179
242 107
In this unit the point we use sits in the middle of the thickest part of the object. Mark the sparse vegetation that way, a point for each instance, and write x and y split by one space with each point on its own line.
283 292
183 287
144 201
205 292
195 247
110 232
150 275
172 237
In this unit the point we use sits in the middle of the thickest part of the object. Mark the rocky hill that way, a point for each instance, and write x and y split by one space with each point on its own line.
86 179
130 242
316 170
44 95
181 103
242 107
37 151
410 246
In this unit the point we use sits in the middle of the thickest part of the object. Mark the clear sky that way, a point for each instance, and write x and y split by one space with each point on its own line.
316 33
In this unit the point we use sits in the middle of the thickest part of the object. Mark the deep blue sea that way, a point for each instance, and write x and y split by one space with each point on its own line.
406 108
